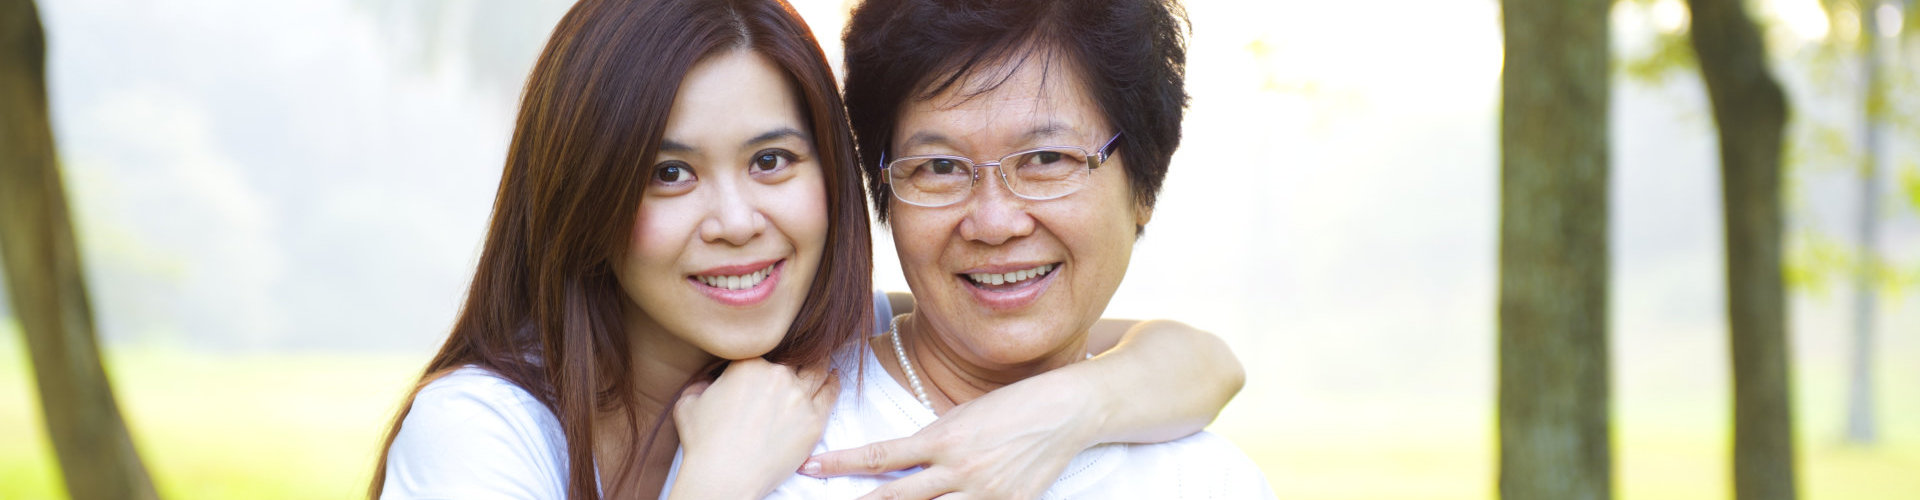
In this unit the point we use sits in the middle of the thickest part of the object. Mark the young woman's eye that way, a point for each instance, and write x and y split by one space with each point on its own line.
672 173
769 161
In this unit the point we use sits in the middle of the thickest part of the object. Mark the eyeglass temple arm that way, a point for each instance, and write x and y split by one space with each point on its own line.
1105 151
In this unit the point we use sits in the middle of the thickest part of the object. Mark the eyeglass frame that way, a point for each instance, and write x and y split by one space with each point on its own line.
1094 159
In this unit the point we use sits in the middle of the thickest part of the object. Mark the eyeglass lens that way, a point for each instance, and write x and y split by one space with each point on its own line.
1038 174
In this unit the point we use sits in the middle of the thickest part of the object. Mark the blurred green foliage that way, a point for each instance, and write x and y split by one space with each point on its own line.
1816 260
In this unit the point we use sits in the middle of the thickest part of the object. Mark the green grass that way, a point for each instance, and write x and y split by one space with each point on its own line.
218 427
254 426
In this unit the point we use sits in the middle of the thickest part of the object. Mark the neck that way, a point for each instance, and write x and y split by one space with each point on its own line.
953 376
660 364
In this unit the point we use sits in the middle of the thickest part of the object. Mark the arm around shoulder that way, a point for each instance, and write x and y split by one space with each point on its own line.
1187 374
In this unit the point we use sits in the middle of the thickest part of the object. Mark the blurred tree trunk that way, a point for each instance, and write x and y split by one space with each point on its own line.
1860 422
1554 402
1751 112
44 278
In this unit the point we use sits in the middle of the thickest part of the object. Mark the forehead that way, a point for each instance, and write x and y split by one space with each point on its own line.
1027 97
732 93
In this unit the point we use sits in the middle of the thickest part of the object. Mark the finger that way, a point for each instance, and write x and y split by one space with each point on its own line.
919 486
683 409
749 364
829 392
884 456
694 390
812 376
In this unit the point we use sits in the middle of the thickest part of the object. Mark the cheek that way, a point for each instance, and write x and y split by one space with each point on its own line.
804 217
659 233
1100 229
917 235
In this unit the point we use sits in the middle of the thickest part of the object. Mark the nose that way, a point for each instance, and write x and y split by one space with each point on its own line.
734 217
994 214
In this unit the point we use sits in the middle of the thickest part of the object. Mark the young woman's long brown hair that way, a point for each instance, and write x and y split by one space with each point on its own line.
544 309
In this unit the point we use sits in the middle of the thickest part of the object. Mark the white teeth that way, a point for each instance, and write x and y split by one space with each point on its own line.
740 282
1012 277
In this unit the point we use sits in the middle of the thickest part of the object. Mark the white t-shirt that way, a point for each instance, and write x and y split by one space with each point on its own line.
1202 465
473 434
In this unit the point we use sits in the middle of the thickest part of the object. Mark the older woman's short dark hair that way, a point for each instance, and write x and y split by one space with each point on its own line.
1131 55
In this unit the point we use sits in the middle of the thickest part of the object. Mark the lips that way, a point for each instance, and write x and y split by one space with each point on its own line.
1007 278
1008 289
738 281
739 285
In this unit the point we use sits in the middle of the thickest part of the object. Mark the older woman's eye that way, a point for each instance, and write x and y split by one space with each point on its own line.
942 166
1045 157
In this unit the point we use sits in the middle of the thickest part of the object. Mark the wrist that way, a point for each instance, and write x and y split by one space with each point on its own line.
697 479
1093 405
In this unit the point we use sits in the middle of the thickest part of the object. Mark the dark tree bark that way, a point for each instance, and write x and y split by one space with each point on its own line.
45 282
1751 112
1554 401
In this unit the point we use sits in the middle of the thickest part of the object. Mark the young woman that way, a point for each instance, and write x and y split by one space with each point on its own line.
680 210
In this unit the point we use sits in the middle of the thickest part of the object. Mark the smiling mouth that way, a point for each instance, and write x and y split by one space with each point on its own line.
1012 280
737 282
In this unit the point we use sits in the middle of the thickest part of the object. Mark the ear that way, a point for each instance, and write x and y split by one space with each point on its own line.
1141 215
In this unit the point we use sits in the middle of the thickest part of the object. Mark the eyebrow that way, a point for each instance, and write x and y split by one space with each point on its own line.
673 146
1041 131
771 135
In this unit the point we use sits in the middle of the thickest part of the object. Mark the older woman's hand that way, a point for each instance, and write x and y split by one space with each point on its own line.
1011 443
1015 441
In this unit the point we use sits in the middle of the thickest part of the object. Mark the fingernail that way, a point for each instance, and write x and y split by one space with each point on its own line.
811 468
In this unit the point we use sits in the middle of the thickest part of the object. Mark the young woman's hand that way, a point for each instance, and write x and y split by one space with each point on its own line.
746 432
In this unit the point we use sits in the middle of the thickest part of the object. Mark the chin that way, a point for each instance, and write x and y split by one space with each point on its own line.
743 349
1017 343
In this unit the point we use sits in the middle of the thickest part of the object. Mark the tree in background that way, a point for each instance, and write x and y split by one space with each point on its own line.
1750 112
44 278
1874 15
1554 398
1857 30
1847 69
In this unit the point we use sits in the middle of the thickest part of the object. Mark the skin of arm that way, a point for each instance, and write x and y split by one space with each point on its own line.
1013 442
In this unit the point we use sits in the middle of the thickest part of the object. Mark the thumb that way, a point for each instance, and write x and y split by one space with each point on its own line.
828 392
694 391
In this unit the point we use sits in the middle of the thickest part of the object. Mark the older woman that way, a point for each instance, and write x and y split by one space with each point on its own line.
1015 148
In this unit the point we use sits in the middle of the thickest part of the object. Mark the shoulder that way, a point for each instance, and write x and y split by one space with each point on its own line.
472 402
473 434
1205 466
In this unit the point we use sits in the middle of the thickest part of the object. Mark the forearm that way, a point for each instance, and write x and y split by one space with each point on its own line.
1162 381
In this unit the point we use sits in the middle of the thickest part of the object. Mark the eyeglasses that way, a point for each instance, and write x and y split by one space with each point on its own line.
1036 174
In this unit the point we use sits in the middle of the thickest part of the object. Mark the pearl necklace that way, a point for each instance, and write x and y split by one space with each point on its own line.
906 365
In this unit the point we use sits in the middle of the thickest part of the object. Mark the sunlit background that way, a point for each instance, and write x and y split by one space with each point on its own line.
280 203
